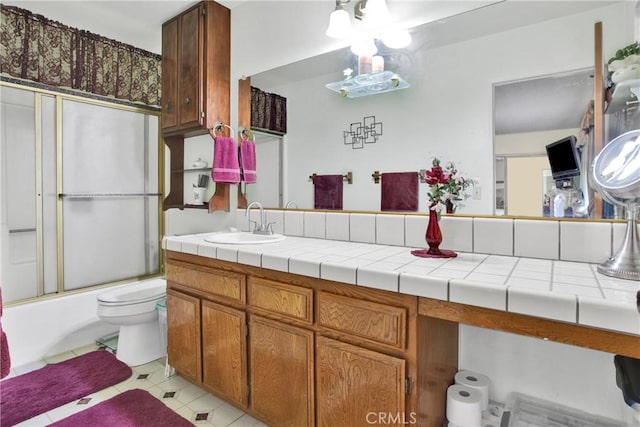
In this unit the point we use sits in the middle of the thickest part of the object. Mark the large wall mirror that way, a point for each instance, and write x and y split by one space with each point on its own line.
530 115
459 69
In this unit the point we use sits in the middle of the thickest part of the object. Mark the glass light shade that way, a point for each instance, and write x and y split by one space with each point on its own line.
376 14
364 48
339 24
396 39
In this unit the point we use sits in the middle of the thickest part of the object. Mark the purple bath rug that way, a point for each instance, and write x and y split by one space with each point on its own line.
39 391
133 408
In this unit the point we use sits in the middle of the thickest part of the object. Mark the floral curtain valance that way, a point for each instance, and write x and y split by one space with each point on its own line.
44 51
268 111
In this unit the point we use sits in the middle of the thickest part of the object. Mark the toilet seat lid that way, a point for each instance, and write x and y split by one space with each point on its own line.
153 290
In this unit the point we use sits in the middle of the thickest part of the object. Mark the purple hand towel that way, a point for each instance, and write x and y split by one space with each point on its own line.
248 161
327 192
225 161
399 191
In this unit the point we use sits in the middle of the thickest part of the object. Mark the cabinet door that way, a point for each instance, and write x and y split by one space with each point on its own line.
190 65
281 366
358 387
183 334
169 74
224 352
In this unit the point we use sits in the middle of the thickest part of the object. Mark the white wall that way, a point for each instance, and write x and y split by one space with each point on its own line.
572 376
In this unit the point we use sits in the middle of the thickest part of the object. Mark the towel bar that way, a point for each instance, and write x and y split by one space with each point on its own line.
346 177
377 176
219 127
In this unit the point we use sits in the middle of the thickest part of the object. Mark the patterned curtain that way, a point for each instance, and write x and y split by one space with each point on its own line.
44 51
268 111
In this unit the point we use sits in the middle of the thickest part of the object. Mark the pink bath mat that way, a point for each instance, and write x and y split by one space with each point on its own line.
36 392
133 408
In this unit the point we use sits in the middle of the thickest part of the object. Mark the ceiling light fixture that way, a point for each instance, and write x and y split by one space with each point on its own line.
375 18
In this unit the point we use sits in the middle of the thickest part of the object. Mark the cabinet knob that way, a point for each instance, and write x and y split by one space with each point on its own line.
167 106
187 100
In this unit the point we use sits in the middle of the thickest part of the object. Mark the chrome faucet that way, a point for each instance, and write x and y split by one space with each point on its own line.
291 203
260 227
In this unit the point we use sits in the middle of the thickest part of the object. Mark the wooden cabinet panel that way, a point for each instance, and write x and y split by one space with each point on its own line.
189 74
170 67
292 301
355 386
220 285
224 352
281 366
183 334
369 320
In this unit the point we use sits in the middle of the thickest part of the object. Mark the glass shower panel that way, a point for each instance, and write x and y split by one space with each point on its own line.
110 194
19 273
49 195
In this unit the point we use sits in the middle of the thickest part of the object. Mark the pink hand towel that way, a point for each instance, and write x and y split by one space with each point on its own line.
225 161
248 161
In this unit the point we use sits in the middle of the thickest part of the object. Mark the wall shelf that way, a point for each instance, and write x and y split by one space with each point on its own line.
368 84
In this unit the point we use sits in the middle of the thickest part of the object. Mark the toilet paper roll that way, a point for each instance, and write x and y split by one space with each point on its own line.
464 406
475 381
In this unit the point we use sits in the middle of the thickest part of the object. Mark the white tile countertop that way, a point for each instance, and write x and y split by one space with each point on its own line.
572 292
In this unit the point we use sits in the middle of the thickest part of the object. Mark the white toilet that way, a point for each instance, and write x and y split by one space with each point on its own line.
133 308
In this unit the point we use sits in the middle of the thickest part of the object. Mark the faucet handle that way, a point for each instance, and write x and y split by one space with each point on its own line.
269 227
255 225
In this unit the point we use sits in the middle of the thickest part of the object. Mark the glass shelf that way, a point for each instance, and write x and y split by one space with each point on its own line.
368 84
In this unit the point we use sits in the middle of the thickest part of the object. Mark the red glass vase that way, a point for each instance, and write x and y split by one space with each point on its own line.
433 234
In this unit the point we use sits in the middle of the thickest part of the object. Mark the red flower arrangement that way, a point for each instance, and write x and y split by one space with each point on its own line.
446 186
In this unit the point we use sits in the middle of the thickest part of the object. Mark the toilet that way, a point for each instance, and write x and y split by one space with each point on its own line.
133 309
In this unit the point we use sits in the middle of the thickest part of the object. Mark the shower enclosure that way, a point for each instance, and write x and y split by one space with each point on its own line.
81 193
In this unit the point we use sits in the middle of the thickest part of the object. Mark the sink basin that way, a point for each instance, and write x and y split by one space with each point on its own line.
243 238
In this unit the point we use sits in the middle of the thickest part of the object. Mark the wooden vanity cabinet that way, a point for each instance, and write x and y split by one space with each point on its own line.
183 335
219 325
281 363
294 351
196 58
281 352
224 352
357 386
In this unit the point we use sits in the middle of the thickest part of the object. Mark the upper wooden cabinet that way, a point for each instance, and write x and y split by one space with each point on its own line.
196 57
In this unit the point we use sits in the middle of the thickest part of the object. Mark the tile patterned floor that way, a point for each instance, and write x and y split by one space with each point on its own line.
189 401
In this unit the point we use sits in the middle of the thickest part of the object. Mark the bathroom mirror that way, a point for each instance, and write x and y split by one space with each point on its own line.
452 66
529 116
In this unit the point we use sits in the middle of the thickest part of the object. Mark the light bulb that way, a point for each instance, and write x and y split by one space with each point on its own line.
396 39
376 14
364 48
339 24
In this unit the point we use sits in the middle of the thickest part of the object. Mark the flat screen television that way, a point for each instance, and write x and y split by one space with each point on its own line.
564 158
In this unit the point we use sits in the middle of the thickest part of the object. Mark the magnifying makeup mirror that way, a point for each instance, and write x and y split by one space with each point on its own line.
616 175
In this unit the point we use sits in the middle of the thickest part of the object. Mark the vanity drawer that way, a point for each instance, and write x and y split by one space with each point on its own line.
295 302
372 321
218 284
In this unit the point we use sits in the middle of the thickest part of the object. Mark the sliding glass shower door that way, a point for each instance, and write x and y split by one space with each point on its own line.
80 193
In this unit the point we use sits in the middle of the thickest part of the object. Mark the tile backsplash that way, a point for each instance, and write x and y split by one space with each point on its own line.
580 241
